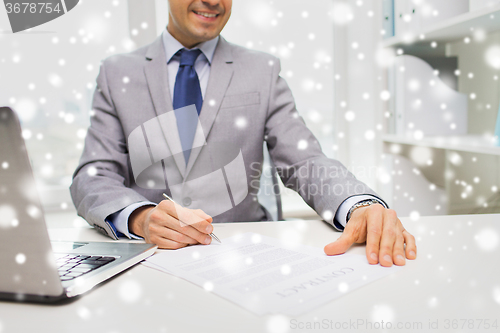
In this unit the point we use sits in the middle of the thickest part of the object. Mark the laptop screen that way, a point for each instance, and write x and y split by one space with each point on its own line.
26 259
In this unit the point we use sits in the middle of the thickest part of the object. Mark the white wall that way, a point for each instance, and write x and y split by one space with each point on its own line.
48 75
360 79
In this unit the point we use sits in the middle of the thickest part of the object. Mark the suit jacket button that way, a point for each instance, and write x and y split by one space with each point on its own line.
186 201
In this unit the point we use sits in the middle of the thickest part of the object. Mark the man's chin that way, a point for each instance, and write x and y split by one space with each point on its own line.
203 36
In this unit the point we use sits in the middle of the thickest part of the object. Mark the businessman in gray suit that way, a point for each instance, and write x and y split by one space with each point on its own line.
188 115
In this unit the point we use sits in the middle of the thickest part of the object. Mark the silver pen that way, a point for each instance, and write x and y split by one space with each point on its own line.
211 234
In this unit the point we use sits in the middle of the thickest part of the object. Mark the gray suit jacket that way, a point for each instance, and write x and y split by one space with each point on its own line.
246 103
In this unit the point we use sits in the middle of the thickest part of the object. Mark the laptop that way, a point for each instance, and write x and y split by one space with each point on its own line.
31 267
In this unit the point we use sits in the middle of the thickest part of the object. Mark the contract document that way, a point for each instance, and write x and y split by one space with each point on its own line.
266 275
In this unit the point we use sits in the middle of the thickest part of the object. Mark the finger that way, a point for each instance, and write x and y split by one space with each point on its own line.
388 237
411 247
398 253
342 244
171 234
188 230
169 207
374 223
164 219
178 212
168 244
204 225
189 217
203 215
196 222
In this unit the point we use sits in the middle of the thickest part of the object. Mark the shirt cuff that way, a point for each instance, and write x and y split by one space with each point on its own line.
119 220
340 220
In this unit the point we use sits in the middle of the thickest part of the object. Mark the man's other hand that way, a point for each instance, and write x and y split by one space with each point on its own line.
171 226
383 233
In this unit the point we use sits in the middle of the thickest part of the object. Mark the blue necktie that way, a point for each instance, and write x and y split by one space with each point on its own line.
187 92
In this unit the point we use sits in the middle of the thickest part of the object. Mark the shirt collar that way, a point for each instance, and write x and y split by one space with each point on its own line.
172 46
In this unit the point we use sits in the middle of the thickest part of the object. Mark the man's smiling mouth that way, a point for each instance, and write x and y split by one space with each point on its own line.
207 15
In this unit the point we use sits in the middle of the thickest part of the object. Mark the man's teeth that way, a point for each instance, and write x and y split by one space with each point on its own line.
206 14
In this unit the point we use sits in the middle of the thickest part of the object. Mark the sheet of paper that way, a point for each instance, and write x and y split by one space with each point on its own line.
265 275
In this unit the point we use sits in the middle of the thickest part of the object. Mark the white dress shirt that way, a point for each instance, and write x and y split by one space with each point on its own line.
201 65
119 220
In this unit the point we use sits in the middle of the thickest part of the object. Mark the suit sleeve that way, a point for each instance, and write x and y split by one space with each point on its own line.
323 183
101 181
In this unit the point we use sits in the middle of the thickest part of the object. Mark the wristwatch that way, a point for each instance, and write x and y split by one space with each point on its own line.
364 203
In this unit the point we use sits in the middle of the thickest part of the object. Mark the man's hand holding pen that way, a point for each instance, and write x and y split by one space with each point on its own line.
171 226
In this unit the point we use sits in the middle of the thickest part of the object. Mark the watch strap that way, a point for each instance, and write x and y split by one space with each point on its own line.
364 203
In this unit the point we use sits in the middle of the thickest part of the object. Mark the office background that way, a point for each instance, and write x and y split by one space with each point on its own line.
336 60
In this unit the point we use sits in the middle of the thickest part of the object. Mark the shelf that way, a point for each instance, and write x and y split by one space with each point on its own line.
453 29
467 143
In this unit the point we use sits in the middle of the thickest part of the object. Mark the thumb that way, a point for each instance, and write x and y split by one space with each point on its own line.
341 245
203 215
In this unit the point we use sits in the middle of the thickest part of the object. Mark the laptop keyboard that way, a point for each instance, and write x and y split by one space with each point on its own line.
71 266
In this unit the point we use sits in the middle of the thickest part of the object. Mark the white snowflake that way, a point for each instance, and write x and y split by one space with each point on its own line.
383 312
302 144
487 239
208 286
285 269
20 258
130 291
343 287
278 324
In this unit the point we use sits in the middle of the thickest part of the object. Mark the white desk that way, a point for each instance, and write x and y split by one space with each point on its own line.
453 278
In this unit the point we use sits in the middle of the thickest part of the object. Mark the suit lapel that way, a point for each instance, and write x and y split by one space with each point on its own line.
221 72
157 79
